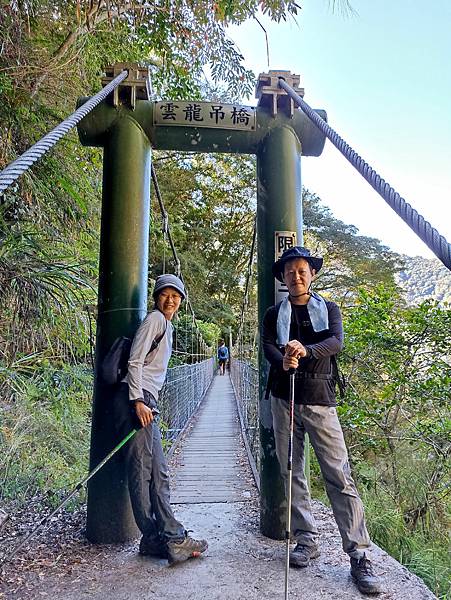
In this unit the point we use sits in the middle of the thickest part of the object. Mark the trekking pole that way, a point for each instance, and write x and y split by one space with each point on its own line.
69 496
290 480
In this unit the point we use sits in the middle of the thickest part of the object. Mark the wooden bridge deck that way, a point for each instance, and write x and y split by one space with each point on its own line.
208 468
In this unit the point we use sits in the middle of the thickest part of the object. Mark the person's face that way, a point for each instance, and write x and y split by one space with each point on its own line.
298 275
168 301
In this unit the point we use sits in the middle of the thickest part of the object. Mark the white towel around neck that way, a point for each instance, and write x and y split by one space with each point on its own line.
317 311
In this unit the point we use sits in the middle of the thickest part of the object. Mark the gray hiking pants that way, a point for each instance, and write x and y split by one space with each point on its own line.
148 475
326 436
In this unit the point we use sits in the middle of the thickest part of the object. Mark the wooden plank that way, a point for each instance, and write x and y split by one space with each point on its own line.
208 468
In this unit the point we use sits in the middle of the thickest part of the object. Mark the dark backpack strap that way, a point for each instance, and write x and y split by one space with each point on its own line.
338 376
157 340
269 382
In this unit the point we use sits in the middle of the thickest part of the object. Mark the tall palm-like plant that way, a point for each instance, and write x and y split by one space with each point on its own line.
40 293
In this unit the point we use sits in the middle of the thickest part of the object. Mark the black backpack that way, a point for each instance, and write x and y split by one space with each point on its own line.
115 364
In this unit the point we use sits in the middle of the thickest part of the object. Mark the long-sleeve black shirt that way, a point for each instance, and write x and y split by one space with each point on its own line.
315 376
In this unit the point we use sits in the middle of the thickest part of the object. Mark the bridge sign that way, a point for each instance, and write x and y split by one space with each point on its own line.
205 114
282 241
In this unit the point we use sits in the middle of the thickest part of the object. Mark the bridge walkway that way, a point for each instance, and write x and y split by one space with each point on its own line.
208 469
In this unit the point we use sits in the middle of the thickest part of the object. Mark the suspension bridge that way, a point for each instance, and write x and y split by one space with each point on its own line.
206 417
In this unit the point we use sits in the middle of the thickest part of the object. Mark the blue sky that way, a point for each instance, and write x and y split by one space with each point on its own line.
383 75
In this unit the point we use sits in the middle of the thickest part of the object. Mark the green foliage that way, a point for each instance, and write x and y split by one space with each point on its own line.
397 422
423 551
399 381
44 428
210 332
211 203
42 40
42 298
396 419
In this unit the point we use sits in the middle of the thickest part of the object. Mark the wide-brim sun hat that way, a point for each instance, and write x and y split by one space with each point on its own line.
316 262
168 280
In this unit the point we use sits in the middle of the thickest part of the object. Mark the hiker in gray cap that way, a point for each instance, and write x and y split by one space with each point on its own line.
163 536
304 332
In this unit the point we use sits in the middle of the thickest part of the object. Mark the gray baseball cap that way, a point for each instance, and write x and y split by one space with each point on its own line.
168 280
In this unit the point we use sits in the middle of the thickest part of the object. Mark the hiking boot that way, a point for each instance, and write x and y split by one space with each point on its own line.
153 547
363 576
188 548
301 555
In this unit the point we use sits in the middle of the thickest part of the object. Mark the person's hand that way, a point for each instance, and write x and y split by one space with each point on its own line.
143 412
290 362
294 350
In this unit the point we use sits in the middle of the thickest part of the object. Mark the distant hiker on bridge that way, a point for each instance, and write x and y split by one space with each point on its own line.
162 535
304 332
223 356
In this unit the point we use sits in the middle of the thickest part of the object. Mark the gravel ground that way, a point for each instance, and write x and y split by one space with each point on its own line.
239 564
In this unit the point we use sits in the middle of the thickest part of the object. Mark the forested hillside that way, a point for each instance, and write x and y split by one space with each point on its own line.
425 279
395 410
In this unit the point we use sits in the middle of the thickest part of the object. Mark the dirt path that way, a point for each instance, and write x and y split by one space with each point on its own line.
240 564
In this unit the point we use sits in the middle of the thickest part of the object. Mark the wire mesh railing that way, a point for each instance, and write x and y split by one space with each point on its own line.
182 393
244 378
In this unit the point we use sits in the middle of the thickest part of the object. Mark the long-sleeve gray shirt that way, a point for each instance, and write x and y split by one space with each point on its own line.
148 371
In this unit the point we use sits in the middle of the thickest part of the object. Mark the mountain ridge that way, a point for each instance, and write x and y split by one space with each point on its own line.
424 279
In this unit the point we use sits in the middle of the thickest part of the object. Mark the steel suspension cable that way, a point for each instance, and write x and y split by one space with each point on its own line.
15 169
165 216
248 277
430 236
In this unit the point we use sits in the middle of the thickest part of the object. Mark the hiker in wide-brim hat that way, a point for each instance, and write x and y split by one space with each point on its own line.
316 262
304 333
